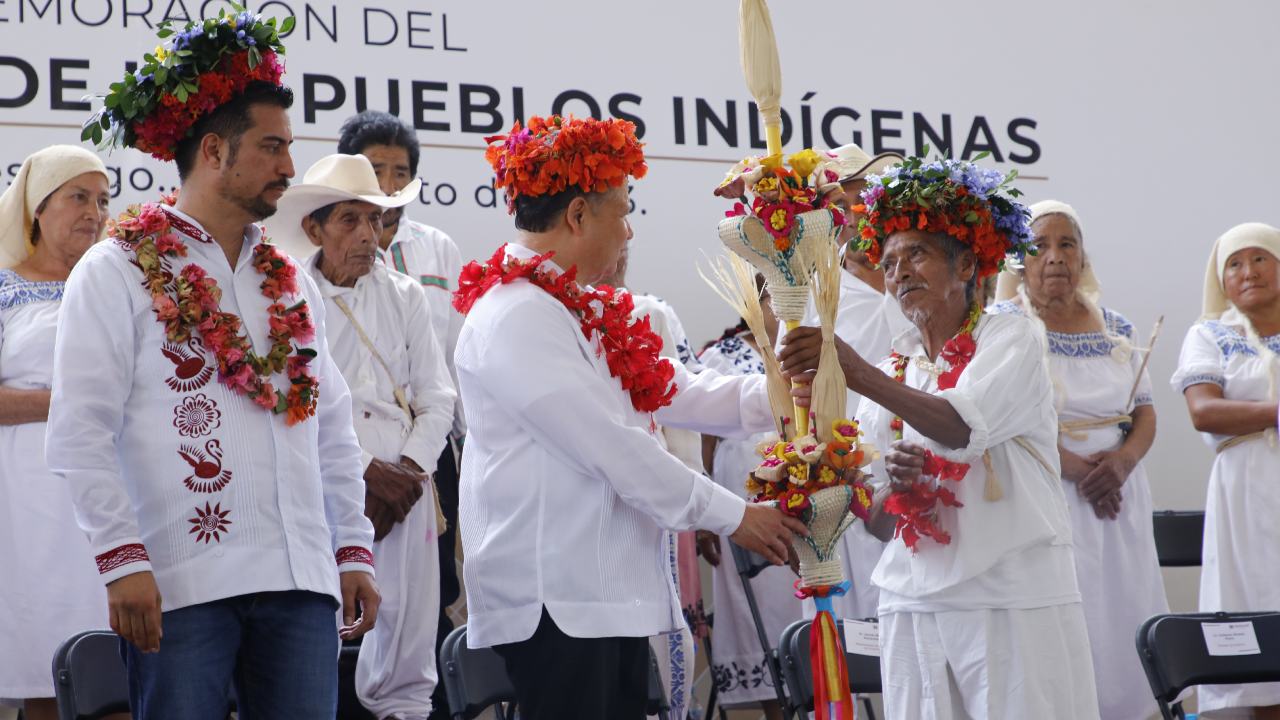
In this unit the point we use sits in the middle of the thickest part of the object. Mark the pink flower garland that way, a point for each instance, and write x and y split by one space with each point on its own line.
194 303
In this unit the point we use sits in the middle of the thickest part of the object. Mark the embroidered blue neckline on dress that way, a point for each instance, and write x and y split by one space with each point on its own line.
1078 345
16 290
1231 342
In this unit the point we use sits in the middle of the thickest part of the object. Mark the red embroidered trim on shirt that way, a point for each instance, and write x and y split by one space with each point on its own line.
188 229
120 557
353 553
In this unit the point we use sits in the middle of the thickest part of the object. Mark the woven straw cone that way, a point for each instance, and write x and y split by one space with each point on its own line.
829 517
786 274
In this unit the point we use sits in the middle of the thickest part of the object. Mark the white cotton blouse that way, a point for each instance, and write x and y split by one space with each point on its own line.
1005 554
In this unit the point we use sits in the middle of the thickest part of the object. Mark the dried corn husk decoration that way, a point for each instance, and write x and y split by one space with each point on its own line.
761 68
829 389
735 282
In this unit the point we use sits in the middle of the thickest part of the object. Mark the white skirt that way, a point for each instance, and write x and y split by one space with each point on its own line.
51 588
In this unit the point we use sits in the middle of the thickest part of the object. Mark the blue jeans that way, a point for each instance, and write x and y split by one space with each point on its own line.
280 649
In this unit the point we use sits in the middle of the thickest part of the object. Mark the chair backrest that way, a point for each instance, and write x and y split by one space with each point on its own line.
1179 537
474 679
1176 654
748 563
89 679
793 649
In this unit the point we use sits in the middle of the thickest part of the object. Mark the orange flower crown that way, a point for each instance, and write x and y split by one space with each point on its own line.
554 154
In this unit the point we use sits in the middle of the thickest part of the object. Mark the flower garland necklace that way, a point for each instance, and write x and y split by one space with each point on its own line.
917 506
149 231
630 347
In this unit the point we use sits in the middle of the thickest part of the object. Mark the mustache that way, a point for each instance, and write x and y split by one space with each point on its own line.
908 288
282 184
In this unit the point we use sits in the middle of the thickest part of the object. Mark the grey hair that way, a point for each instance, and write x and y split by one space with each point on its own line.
955 250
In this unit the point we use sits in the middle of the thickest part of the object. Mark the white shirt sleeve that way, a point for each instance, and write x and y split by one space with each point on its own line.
727 406
529 360
434 397
1200 361
999 394
92 377
341 468
453 265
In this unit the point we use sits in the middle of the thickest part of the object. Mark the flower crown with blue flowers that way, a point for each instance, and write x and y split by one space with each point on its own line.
970 203
189 75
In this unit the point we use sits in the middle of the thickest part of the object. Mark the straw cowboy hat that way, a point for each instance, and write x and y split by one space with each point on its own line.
333 179
852 163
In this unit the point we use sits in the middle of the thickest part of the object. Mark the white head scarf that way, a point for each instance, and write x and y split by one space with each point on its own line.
1009 284
1248 235
41 174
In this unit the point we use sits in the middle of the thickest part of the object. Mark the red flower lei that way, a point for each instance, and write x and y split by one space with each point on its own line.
917 507
630 348
193 304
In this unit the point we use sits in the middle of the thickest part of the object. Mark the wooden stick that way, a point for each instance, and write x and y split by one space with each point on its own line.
1151 345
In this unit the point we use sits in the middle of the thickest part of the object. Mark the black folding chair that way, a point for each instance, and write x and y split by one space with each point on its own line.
88 677
793 653
1179 537
476 679
1175 655
749 565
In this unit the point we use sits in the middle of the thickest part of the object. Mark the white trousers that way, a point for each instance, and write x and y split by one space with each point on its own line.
396 672
988 665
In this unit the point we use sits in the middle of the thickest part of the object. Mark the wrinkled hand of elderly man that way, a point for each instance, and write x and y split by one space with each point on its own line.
904 462
767 531
396 485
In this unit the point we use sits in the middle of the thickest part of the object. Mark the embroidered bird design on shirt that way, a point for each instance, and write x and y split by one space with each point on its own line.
190 369
207 474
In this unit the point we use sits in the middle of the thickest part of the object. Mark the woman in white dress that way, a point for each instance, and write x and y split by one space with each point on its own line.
54 210
1107 424
738 662
1227 373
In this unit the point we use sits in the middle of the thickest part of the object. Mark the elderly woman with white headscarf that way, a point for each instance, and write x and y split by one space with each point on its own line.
54 210
1227 373
1107 424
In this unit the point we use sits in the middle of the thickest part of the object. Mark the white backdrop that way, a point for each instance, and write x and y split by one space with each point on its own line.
1156 120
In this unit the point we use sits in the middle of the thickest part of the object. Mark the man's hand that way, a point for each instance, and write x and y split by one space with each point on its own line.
380 514
802 348
134 605
904 463
360 600
768 531
709 546
396 485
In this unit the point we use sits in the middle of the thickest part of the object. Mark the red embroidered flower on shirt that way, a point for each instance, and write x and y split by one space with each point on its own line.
209 523
196 416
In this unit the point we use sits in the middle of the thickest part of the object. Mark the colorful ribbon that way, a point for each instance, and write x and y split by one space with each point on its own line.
831 697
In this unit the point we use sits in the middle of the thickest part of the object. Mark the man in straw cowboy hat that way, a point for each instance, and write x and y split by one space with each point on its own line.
566 490
980 614
197 414
379 329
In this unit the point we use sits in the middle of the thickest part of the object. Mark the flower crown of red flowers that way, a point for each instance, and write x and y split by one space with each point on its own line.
553 154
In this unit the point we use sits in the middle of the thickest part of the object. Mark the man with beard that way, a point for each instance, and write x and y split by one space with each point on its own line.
225 509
